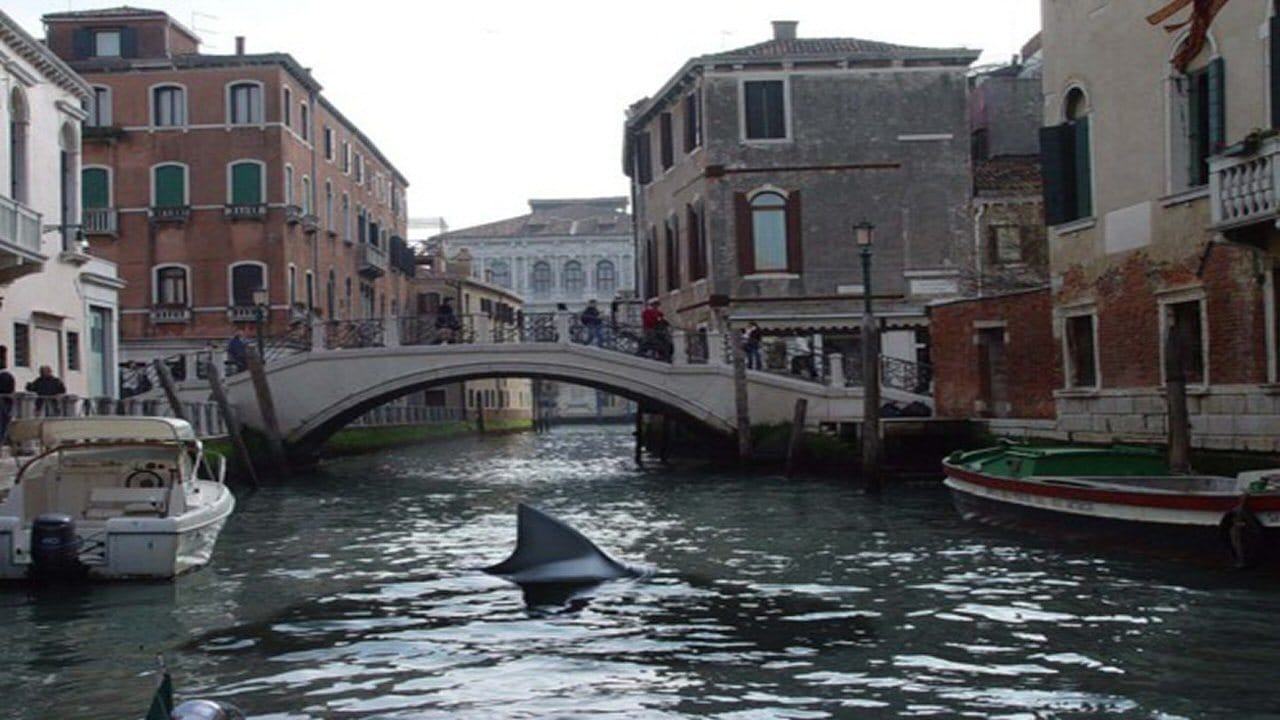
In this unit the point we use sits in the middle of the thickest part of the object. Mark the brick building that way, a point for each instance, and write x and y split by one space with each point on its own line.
1163 217
750 167
207 177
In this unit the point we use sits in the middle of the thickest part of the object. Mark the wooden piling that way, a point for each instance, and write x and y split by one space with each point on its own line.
1179 422
267 407
480 418
639 433
871 404
664 451
741 401
797 433
233 423
170 388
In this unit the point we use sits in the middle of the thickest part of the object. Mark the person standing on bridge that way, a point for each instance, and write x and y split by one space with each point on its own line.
655 326
594 324
237 352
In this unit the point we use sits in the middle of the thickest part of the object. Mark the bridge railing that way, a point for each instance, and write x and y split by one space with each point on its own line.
897 373
205 418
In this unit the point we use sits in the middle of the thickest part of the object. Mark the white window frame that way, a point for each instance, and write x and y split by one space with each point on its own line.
286 106
186 180
118 32
155 282
291 284
328 204
1177 151
330 141
111 182
304 122
262 178
231 288
227 98
1067 314
306 195
151 105
1179 296
100 117
787 108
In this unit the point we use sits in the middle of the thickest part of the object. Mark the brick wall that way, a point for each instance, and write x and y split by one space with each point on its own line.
1031 354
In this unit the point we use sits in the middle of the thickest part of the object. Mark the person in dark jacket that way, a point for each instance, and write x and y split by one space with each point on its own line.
7 387
46 386
594 324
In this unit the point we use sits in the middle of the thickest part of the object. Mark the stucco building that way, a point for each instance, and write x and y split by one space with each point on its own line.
1159 152
58 301
750 167
207 177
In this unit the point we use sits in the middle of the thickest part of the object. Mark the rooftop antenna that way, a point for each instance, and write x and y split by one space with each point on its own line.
724 38
196 17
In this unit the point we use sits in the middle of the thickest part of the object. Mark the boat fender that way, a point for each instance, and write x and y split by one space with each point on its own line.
1244 536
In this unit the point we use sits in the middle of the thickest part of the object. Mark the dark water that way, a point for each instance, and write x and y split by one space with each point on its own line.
351 594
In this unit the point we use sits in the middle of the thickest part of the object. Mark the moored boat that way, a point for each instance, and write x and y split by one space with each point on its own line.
112 498
1122 495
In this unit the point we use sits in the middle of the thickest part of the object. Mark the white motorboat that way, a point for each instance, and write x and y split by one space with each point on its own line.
112 498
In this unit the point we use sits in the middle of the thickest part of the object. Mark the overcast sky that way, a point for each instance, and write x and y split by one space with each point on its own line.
484 104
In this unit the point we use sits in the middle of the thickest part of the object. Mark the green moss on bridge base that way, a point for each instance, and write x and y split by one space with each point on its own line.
354 441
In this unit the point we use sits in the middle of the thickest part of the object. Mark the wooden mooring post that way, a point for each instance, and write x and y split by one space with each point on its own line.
797 434
170 388
871 404
1179 421
266 406
639 433
233 423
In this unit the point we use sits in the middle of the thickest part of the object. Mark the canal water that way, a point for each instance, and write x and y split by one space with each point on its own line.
353 592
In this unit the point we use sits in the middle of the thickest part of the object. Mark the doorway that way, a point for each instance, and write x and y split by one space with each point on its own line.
993 374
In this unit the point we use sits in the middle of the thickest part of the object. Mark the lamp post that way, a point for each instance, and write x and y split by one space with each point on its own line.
864 236
260 306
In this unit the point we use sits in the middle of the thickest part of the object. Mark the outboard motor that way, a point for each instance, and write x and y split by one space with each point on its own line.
206 710
55 548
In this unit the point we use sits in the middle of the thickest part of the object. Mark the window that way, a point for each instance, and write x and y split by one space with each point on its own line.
1081 367
245 278
1198 124
244 106
347 233
1187 319
643 159
287 110
764 109
169 186
292 284
671 235
171 286
541 279
306 195
21 345
666 141
73 350
95 188
246 183
768 232
1005 244
99 108
651 261
288 185
696 243
168 106
310 283
606 278
359 169
106 43
1065 162
330 293
500 273
328 205
574 279
328 143
692 121
304 121
346 157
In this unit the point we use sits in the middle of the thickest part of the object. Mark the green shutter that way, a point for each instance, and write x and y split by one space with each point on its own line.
246 184
1197 146
1217 106
1055 168
1082 170
94 192
170 186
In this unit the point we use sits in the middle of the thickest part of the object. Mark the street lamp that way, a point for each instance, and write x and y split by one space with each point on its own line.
864 234
260 305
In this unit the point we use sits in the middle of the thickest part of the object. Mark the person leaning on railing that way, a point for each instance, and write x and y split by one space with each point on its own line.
46 386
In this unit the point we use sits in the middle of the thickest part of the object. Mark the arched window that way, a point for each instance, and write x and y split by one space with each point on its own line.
769 232
330 293
574 279
244 103
245 179
541 278
500 273
1066 162
306 195
347 234
171 286
169 185
606 278
245 278
168 106
328 205
19 119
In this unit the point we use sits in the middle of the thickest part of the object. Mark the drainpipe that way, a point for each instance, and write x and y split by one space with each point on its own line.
980 209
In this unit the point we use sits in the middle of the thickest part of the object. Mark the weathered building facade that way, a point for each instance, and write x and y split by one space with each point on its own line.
207 177
58 301
1158 158
749 169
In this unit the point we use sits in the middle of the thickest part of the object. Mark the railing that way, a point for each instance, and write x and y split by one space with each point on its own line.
390 415
245 211
349 334
100 221
434 329
1245 188
242 313
905 375
170 213
164 314
373 260
538 327
204 417
19 225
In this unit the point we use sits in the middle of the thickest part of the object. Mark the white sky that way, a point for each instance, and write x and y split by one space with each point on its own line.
483 104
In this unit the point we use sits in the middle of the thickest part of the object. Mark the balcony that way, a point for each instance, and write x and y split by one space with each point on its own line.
242 313
100 221
310 224
170 314
373 261
246 211
176 214
292 214
19 240
1244 188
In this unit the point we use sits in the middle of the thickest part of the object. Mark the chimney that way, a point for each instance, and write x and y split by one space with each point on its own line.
784 29
460 264
239 44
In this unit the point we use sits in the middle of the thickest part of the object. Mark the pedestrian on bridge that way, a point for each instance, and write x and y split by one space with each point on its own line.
237 352
594 324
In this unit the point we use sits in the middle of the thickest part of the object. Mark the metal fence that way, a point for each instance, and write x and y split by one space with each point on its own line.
205 418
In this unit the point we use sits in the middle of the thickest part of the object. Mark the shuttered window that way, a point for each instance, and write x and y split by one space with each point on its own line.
768 232
246 183
692 122
170 186
245 104
764 109
245 279
95 188
668 143
1064 164
672 246
168 106
643 159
